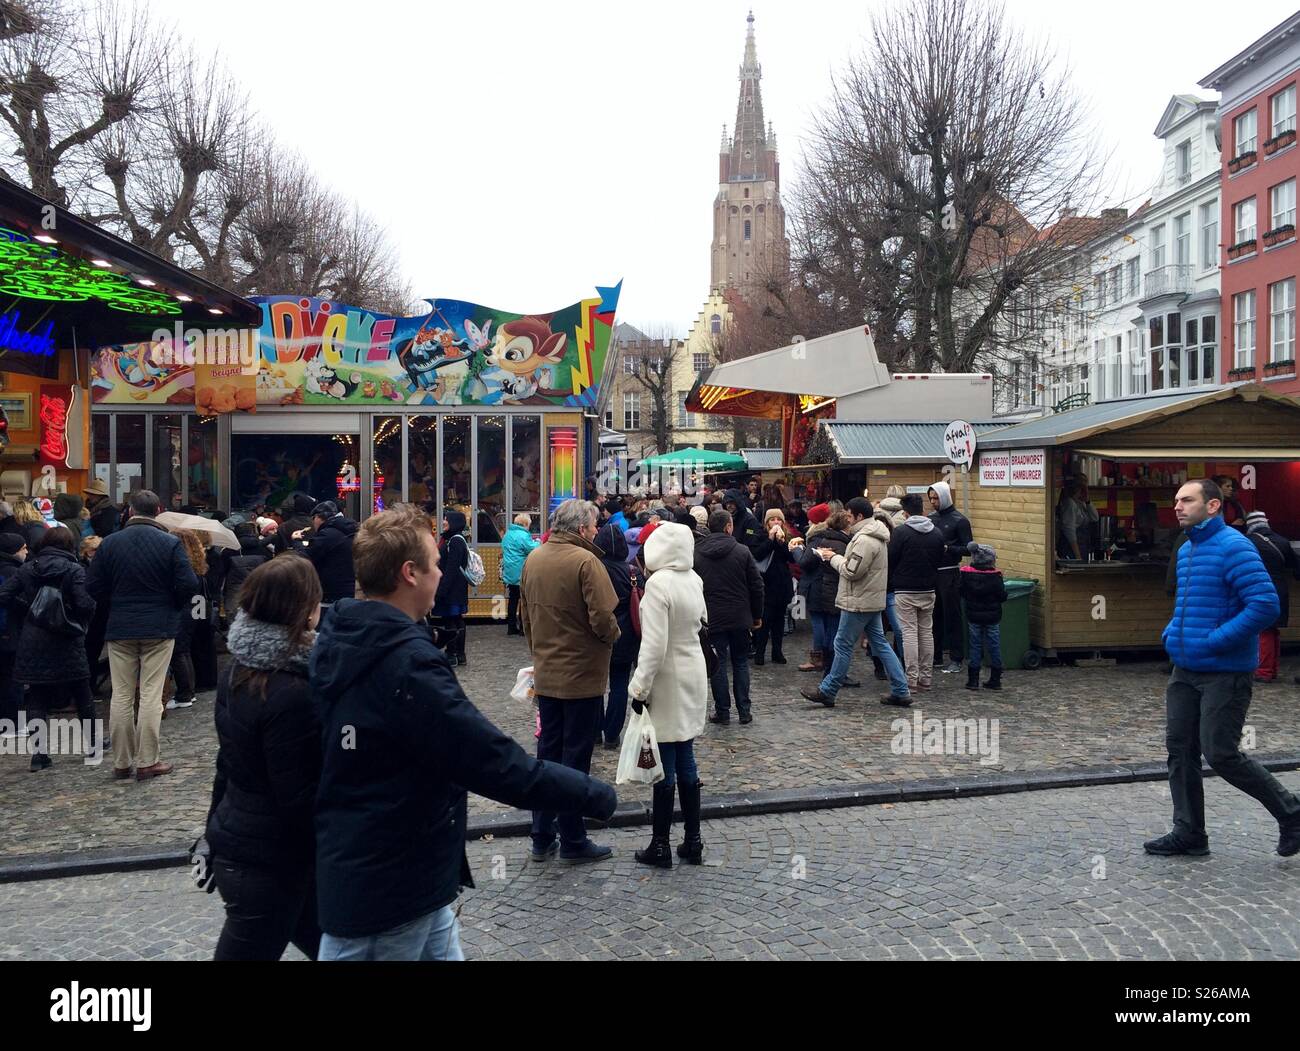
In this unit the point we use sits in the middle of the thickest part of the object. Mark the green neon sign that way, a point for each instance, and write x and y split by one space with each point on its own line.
37 271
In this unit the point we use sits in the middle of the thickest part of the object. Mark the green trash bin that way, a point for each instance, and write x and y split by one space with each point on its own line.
1016 651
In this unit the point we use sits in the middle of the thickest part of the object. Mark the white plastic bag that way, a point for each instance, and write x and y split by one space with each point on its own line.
640 749
523 691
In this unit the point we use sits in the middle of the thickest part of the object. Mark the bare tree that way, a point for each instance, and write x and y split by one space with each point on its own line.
654 360
937 180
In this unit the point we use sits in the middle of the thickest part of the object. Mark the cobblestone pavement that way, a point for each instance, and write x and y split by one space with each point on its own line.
1051 719
997 877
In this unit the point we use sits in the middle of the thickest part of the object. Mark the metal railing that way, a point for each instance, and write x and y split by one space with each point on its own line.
1176 277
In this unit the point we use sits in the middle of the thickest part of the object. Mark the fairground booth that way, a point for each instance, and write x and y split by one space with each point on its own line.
1107 590
68 288
460 406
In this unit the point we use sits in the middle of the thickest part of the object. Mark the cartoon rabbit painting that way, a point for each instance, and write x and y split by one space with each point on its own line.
526 352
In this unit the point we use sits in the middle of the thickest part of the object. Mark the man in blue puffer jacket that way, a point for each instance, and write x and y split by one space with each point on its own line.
1225 598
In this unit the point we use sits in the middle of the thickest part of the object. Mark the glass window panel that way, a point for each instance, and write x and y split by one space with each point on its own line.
388 468
202 461
526 479
1193 328
345 450
457 468
130 455
1157 370
490 519
422 462
101 454
1157 332
1173 327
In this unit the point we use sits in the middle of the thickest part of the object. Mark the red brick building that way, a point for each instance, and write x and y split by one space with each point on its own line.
1261 257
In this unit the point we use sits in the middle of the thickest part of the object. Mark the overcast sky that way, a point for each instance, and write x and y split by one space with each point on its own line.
521 153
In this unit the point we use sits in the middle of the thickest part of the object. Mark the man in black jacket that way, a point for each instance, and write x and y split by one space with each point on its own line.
733 594
402 743
954 527
144 576
296 512
745 527
916 551
330 550
1279 558
104 513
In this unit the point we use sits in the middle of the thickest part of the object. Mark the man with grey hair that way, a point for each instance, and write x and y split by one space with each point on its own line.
567 608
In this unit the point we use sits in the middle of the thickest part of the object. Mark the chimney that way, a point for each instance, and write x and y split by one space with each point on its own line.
1069 213
1114 213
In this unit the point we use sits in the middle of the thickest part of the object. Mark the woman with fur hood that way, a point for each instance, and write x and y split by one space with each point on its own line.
671 680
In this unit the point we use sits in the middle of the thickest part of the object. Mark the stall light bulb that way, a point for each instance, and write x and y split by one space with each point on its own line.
185 299
214 310
46 239
147 282
101 262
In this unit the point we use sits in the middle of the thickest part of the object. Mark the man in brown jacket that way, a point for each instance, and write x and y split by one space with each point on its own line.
567 607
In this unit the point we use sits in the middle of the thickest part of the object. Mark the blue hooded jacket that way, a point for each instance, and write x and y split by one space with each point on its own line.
515 547
1225 599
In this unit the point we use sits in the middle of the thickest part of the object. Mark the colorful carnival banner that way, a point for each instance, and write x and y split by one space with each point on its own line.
318 352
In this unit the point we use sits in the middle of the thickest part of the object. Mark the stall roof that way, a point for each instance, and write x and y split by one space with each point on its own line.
827 367
907 441
1068 428
762 459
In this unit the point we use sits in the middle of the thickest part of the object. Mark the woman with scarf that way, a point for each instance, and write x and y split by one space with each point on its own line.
260 825
451 602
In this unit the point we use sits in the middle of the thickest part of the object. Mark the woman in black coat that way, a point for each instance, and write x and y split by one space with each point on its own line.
624 577
451 602
52 665
260 830
778 584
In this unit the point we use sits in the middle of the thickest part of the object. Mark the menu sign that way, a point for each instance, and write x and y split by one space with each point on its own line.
995 469
1029 468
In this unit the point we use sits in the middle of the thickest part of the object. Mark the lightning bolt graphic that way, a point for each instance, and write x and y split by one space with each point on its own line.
583 375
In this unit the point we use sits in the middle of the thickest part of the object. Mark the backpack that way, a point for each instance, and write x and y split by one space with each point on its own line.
473 569
48 611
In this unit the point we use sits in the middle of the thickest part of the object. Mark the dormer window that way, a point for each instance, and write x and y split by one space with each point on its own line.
1183 162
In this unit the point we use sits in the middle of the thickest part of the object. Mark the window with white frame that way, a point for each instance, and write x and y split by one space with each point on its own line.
1243 329
1283 107
1099 357
1283 204
1136 359
1210 235
1183 154
1245 133
1183 239
1281 320
631 412
1243 221
1157 247
700 363
1035 380
609 419
1209 347
1116 293
715 324
629 364
1099 291
1115 367
1134 277
684 418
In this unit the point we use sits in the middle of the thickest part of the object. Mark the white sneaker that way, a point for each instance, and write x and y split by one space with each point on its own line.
173 704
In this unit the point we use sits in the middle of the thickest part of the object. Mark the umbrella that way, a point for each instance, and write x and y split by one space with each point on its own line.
701 459
215 534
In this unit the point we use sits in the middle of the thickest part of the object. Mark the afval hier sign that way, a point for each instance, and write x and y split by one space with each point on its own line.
959 443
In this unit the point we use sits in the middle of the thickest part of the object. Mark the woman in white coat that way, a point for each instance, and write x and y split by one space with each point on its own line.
672 682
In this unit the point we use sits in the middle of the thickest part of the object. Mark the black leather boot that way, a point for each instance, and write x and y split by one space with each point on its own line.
659 853
691 849
972 677
995 680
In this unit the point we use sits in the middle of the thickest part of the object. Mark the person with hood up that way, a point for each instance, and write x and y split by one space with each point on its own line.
954 527
892 505
733 593
613 555
863 570
778 586
452 600
67 512
104 514
329 549
402 746
983 592
517 546
253 552
822 584
52 664
745 527
1225 598
295 520
259 827
916 551
13 553
671 681
1278 556
699 523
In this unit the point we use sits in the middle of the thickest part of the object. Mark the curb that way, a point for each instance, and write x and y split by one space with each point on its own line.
511 825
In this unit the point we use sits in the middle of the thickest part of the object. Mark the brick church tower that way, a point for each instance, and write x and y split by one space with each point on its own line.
749 241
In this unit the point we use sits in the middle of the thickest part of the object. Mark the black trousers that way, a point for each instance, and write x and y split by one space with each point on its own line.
453 636
266 909
569 730
11 694
512 611
182 669
45 697
1205 713
773 627
947 615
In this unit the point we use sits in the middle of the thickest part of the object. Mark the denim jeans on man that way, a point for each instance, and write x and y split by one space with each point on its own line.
895 625
824 626
616 710
1205 713
985 637
569 730
731 646
435 936
851 628
678 758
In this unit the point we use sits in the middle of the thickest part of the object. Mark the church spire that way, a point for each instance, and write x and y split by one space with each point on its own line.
749 146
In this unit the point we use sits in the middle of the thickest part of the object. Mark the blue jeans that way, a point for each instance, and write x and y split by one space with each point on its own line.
731 646
986 635
824 626
435 936
851 627
891 617
616 708
679 761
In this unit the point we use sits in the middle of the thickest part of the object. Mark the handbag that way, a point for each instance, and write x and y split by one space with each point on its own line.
634 607
48 611
710 654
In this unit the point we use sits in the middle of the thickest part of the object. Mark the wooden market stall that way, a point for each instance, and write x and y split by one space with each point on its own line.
1133 454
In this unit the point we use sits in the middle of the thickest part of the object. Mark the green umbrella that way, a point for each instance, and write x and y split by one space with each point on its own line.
701 459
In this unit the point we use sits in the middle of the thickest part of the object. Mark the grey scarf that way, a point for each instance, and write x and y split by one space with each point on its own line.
266 647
